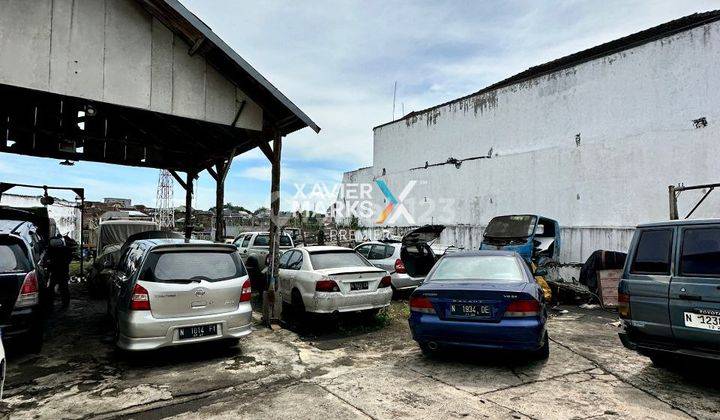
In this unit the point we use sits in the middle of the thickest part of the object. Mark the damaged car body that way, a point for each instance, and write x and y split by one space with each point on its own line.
533 237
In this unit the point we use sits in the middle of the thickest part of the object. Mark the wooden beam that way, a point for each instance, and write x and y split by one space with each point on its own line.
188 204
222 167
179 180
237 114
196 46
212 173
270 309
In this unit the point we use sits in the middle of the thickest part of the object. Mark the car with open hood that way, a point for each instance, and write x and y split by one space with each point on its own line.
407 260
482 300
331 279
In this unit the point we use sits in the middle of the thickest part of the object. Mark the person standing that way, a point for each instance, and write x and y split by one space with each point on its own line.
59 256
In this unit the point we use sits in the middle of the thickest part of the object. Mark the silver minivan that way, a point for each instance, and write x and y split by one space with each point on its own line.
168 292
669 294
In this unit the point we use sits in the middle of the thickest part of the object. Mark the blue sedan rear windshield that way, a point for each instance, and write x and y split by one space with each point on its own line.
480 268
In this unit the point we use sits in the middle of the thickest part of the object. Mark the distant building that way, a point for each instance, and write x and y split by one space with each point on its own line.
592 140
122 202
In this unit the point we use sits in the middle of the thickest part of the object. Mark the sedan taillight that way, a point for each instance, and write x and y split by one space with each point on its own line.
421 304
385 281
29 291
246 292
326 285
140 299
523 308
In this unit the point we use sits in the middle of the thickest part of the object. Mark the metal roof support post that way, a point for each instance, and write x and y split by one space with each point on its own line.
222 167
188 203
270 309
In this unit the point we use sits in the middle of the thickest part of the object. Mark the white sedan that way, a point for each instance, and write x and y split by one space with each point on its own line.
329 279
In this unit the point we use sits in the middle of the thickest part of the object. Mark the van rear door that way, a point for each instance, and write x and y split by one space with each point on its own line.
695 290
647 281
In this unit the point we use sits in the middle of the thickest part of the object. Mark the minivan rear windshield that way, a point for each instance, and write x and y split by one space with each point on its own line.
337 259
181 266
13 258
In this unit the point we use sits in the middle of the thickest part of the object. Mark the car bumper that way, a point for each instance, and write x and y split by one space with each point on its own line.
508 334
647 346
140 331
22 321
323 302
404 281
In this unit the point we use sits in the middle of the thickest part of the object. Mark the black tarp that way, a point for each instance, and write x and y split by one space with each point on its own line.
600 260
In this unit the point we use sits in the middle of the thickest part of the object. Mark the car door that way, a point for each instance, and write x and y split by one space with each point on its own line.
118 278
648 280
284 275
243 245
695 287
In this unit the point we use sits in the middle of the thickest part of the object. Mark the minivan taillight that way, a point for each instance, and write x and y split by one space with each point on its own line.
140 299
326 285
246 292
523 308
624 305
400 266
421 304
29 291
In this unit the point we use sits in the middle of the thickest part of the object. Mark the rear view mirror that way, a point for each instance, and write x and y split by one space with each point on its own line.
540 272
540 230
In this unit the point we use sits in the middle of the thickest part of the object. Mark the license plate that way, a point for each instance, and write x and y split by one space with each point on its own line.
460 309
359 285
706 322
195 332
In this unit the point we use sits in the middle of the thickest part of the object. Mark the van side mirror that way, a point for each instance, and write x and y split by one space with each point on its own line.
540 229
540 272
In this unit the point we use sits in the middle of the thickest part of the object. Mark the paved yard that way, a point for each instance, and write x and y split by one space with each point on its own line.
357 369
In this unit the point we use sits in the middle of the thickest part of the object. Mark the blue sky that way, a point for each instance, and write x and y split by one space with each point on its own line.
338 60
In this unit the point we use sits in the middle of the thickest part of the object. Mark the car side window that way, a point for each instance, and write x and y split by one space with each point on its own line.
700 253
389 251
134 259
364 250
261 240
652 254
246 241
285 258
296 261
377 252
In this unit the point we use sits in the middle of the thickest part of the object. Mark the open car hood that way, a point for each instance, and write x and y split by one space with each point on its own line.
423 234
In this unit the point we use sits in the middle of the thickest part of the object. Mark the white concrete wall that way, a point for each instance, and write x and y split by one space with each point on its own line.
633 111
65 213
113 51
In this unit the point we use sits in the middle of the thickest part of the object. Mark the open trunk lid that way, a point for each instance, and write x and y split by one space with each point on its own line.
423 234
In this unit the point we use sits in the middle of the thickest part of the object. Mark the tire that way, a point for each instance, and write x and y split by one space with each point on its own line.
427 351
297 306
370 314
661 360
543 352
32 341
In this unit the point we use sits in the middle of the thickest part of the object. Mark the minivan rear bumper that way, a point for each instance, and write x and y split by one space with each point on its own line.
140 331
647 347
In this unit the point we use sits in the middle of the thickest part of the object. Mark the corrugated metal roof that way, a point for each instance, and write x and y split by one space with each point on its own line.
621 44
284 114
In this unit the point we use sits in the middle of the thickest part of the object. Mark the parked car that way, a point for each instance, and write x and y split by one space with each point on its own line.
168 292
110 237
23 284
531 236
254 248
407 261
329 279
480 299
669 294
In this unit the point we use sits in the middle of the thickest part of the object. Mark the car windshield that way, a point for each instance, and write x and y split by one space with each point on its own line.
511 227
13 258
478 268
337 259
192 265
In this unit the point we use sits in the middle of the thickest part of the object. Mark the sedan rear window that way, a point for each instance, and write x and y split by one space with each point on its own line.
13 258
195 265
479 268
337 259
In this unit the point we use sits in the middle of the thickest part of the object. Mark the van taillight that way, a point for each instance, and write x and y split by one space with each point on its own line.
400 266
29 291
246 292
624 305
421 304
523 308
140 300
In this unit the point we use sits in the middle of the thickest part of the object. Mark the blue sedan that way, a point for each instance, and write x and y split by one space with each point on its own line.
484 300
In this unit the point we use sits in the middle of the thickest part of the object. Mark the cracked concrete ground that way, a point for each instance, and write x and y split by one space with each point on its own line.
353 368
